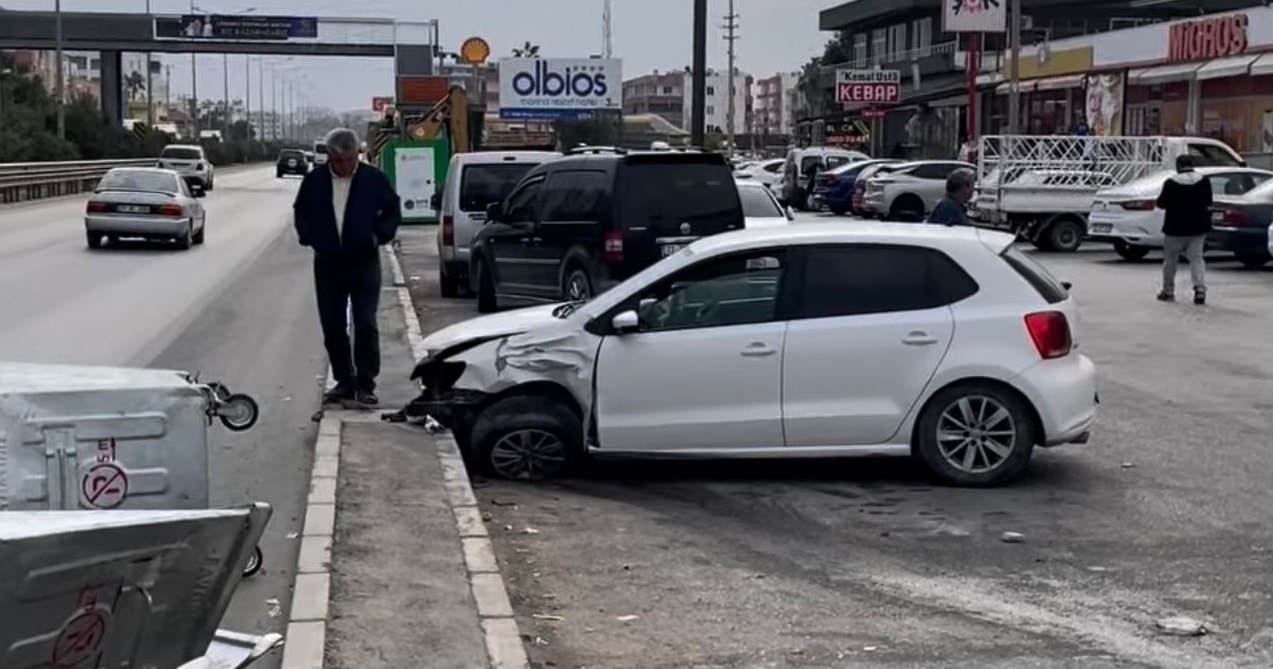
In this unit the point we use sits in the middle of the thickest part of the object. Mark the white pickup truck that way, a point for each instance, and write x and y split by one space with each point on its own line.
1042 186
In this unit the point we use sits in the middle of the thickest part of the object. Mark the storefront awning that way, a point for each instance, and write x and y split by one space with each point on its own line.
1262 65
1163 74
1059 83
1006 87
1234 66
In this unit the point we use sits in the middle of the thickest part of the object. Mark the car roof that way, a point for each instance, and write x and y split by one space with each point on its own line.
917 163
494 157
184 146
908 234
134 170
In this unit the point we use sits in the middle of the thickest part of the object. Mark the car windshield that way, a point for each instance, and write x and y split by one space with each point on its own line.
680 190
154 182
759 204
291 154
482 185
320 148
181 153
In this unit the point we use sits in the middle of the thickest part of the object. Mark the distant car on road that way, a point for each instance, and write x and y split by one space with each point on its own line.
320 153
1128 216
1240 225
815 340
765 172
291 161
761 208
144 203
189 161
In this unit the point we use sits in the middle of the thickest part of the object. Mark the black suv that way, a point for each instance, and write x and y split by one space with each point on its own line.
576 226
291 162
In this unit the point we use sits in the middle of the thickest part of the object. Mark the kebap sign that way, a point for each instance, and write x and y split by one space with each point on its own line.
876 87
236 27
560 88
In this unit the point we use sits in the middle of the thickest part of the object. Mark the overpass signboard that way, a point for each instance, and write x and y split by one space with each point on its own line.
237 27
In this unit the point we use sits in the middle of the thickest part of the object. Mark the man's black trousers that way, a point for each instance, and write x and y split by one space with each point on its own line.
337 283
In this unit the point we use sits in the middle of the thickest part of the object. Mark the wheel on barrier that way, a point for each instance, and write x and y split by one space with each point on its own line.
254 563
238 412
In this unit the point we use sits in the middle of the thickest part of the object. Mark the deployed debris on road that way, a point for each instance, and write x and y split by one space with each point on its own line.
129 588
1181 626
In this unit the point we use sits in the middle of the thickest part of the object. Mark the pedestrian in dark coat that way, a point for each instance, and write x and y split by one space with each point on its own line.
1186 203
345 212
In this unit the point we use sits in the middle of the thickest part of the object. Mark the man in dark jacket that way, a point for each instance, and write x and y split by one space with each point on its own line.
953 209
345 212
1185 200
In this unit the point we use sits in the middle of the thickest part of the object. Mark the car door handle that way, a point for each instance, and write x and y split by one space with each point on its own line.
758 350
919 338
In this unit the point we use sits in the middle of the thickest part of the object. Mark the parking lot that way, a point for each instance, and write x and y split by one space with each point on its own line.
864 563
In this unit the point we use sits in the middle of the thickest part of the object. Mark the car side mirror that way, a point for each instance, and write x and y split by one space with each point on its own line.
625 322
1067 285
494 211
791 215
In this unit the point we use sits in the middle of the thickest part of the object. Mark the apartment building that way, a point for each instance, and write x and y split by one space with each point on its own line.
718 101
775 103
658 93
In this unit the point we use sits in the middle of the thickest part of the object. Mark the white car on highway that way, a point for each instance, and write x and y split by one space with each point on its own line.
144 203
761 208
815 340
190 161
908 191
765 172
1128 216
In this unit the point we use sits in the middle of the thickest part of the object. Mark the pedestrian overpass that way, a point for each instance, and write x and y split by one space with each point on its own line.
412 44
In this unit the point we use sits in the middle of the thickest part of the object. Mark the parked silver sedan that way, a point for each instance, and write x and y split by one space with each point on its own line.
146 203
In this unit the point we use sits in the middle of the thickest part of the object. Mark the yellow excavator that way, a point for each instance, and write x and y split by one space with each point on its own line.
416 153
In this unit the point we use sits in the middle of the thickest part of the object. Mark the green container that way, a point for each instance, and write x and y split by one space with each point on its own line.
417 170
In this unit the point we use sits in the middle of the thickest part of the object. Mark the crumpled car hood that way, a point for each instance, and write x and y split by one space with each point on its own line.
489 327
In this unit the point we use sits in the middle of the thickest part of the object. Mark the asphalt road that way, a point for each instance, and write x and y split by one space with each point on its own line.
239 309
865 563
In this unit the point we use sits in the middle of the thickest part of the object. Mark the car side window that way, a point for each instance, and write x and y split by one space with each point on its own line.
736 290
773 168
1207 155
855 280
522 202
184 188
1229 184
574 195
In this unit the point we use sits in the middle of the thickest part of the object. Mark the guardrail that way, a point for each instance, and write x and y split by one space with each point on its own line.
33 181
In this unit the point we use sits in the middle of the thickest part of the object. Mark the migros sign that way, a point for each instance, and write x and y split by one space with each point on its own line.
1205 39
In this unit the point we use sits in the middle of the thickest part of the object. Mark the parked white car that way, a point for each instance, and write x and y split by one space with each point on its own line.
761 208
190 162
1128 216
765 172
908 191
793 185
810 340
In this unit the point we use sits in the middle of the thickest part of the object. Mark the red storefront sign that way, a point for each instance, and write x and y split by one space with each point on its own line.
868 86
1208 38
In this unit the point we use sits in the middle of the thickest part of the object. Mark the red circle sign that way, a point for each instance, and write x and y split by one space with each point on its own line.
104 486
80 640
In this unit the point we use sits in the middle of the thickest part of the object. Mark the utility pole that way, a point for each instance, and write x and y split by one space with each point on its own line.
150 97
1014 68
247 93
274 104
260 89
225 95
731 36
606 44
61 79
194 84
698 77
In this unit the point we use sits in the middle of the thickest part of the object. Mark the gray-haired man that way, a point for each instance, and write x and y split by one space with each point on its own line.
345 213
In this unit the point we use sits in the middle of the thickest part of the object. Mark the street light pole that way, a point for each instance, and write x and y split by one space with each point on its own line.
194 84
225 92
1014 69
61 83
260 89
150 79
698 78
247 92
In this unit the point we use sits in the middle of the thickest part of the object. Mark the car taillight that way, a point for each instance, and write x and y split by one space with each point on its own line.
1230 218
448 231
1138 205
173 210
614 247
1050 332
95 207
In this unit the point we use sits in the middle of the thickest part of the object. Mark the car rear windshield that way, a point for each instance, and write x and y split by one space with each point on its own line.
155 182
758 204
486 184
181 153
291 154
1036 275
320 148
675 191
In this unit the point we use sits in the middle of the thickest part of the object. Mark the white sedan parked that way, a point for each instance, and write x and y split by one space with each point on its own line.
1128 216
766 172
797 341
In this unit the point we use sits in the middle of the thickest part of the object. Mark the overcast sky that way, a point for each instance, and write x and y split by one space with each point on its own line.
776 35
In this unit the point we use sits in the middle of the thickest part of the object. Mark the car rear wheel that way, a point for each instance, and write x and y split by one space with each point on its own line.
198 237
839 211
1130 252
1252 260
448 285
526 438
1065 234
209 186
486 301
577 286
186 239
94 240
907 208
976 434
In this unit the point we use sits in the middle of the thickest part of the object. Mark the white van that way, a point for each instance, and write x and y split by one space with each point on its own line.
474 180
320 153
795 172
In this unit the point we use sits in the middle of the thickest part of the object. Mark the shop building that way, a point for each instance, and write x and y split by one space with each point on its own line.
906 35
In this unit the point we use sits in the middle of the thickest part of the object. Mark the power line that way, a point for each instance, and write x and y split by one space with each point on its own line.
731 36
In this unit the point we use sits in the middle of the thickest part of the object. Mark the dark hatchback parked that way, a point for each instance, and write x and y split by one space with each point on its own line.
1240 225
574 227
291 162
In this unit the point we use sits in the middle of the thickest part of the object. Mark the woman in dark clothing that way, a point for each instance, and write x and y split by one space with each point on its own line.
1186 202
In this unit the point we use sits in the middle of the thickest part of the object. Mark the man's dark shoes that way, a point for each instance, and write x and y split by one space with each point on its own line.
1166 297
1199 297
365 399
338 395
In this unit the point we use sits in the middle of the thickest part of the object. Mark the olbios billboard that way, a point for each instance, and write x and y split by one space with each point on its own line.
560 88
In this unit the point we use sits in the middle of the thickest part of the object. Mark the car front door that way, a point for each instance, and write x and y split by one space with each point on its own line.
703 372
509 243
869 328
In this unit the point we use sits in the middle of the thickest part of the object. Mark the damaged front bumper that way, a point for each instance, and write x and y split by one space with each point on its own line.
447 408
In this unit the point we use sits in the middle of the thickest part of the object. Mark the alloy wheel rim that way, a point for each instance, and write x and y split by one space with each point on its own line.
528 455
976 434
577 288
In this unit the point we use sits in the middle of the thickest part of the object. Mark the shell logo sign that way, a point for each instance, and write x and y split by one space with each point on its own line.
475 51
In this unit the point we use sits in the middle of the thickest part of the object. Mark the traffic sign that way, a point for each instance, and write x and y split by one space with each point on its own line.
379 103
876 87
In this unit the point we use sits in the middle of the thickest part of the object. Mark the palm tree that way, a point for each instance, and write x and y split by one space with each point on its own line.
527 50
136 85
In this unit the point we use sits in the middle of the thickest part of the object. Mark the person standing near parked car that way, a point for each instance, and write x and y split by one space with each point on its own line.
1186 203
953 209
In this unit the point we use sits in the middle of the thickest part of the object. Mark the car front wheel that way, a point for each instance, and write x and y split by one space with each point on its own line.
1130 252
976 435
526 438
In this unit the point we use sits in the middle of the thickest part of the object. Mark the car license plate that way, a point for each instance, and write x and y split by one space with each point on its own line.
671 249
291 163
133 209
1102 227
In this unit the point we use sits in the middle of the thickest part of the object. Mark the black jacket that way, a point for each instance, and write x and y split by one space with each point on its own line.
372 215
1186 203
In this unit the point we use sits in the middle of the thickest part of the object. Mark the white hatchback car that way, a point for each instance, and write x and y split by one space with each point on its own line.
816 340
761 207
1128 216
